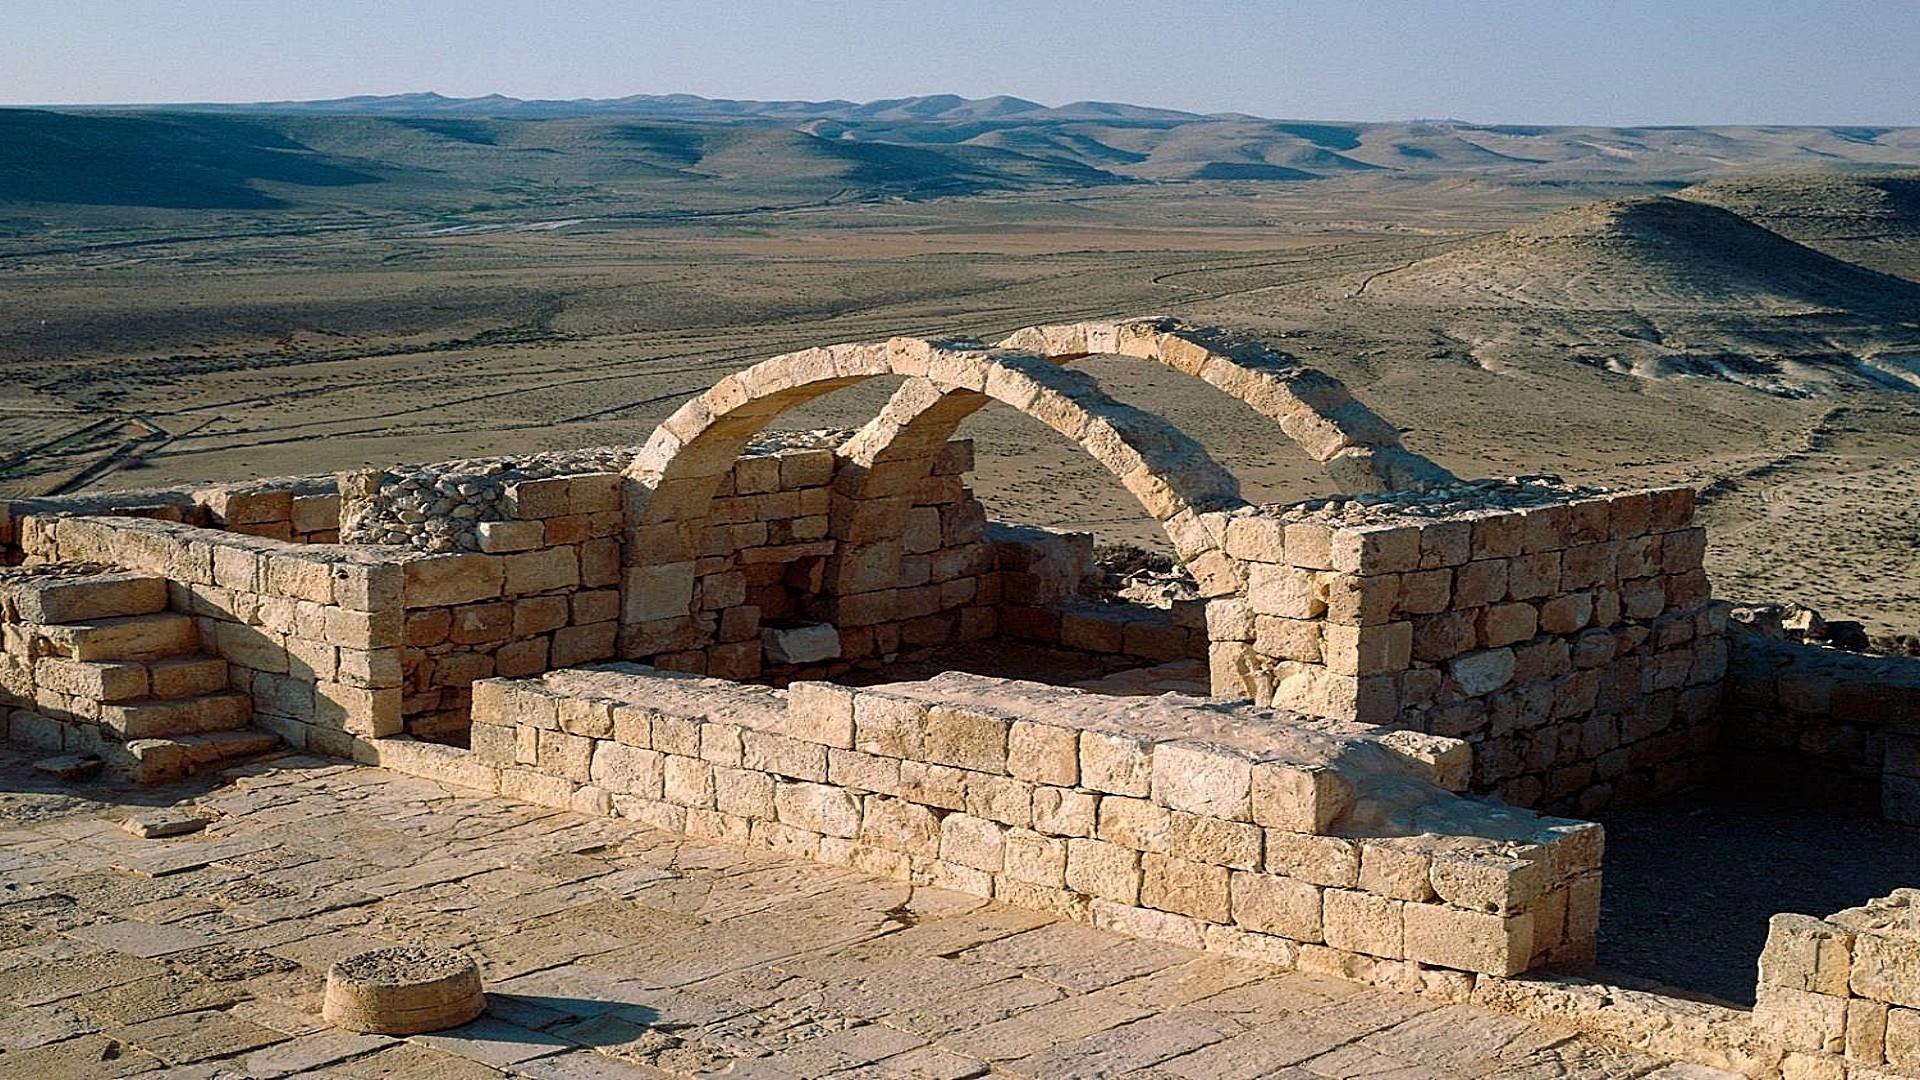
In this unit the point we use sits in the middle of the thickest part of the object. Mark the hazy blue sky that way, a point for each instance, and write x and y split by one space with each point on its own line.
1534 61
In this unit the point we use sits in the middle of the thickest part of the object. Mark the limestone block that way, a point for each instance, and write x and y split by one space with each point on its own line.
1800 1020
493 744
1482 672
687 782
889 727
1444 636
1103 870
1043 753
1533 575
1486 881
783 756
542 570
1468 940
1805 953
1362 922
967 739
1309 545
1478 583
1188 888
899 825
445 580
1035 859
1317 860
1867 1031
629 770
1886 969
1447 763
1201 778
998 798
84 599
502 537
1643 599
1566 614
1283 591
1211 840
1445 544
973 841
1376 549
573 645
1396 869
1288 639
1367 650
809 643
1499 536
821 713
1589 566
1257 539
1116 764
1063 812
1359 601
1277 905
1136 823
1229 619
657 592
1298 798
1425 592
1505 624
560 754
818 808
1903 1039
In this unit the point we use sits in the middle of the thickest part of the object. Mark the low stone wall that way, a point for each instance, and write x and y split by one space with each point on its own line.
1823 725
1299 841
311 632
297 509
1842 994
1570 639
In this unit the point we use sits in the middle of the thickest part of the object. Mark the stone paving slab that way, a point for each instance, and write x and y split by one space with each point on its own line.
611 950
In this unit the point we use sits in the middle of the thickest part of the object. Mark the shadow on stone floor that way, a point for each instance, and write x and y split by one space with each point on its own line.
1689 886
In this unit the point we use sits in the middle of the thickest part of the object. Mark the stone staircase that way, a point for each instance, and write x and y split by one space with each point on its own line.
94 665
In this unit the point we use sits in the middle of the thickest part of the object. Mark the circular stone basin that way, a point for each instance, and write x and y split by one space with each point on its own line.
403 991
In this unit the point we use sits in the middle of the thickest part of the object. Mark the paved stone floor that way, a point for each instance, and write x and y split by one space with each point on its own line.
612 950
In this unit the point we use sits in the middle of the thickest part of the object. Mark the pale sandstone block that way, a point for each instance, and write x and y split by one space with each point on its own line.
1445 544
542 570
492 743
1043 753
1198 890
1277 905
1318 860
1886 969
973 841
537 788
1284 591
503 537
1288 639
1035 859
561 754
1212 840
627 770
818 808
1063 812
1135 823
935 785
1800 1020
1395 869
444 580
783 756
1376 549
1309 545
1867 1031
687 781
821 713
1505 624
1486 881
1202 779
1425 592
1305 799
1103 870
1257 539
1903 1039
1468 940
1805 953
999 798
863 772
656 592
966 739
1367 650
1362 922
1229 619
898 825
1479 583
720 744
1116 764
889 726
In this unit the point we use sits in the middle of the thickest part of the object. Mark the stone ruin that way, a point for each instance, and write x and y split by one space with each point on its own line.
1396 687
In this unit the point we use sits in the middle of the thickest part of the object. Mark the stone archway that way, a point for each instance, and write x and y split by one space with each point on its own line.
672 482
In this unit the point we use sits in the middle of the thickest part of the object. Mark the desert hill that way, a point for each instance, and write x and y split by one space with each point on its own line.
1647 254
1816 207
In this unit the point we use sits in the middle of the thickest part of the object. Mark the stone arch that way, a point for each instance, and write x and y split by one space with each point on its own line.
674 477
1360 451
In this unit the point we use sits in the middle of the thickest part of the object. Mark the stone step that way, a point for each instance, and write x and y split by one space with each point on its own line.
182 716
92 680
137 637
187 676
48 597
160 760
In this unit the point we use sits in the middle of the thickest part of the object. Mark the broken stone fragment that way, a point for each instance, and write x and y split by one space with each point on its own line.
171 821
69 766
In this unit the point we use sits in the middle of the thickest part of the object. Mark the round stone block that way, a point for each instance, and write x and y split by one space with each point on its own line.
403 991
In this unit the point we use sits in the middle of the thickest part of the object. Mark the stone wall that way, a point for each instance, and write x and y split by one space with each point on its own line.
1328 845
1822 725
298 509
312 633
1842 994
1567 635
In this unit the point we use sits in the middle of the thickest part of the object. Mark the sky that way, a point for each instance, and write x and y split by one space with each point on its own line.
1614 62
